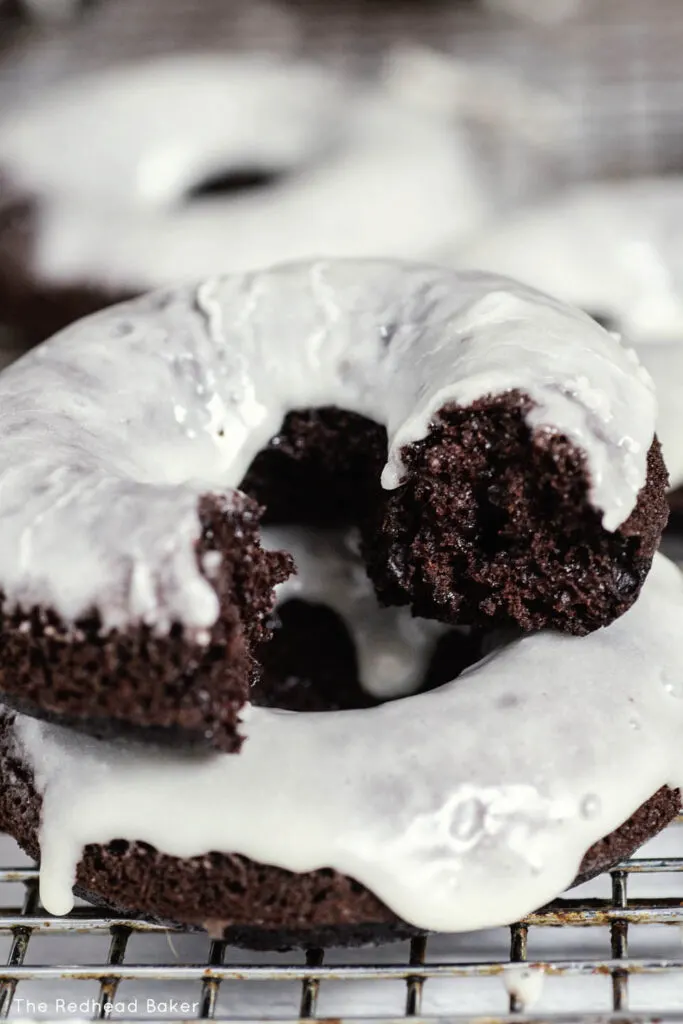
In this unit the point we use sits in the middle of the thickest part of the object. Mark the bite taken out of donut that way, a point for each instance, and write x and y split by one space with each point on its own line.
494 447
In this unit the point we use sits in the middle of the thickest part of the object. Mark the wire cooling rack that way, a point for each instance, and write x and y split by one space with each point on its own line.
581 938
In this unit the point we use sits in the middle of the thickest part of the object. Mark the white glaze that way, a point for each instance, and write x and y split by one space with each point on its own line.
490 95
141 135
368 171
612 247
462 808
111 431
392 647
524 983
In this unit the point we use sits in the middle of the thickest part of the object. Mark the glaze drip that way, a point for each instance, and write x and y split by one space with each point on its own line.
393 648
453 827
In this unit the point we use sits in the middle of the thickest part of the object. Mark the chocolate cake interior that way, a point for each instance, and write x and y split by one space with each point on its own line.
139 684
483 529
322 470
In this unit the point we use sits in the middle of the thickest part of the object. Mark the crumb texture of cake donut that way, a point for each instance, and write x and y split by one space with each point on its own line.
465 807
186 687
123 431
130 198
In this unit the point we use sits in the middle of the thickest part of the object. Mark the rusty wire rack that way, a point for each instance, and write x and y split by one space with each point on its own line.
208 982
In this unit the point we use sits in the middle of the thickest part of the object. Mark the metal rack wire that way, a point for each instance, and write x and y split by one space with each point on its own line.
209 979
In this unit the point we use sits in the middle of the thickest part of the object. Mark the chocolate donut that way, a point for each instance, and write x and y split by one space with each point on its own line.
151 174
467 449
503 473
611 248
467 806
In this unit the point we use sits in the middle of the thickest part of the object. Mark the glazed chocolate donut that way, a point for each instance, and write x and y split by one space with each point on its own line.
152 174
611 248
464 807
494 447
138 591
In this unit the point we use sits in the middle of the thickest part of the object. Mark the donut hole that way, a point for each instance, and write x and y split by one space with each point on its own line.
233 182
310 663
322 468
454 652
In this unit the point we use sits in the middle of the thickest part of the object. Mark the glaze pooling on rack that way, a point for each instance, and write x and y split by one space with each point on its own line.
454 827
360 170
112 430
524 983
